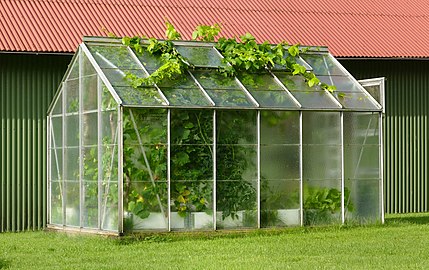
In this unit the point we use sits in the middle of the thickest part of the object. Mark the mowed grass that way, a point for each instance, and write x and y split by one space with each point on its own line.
402 243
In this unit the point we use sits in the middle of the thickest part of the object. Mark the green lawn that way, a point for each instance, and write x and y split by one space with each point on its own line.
402 243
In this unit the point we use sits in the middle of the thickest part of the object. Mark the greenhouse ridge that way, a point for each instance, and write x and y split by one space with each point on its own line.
209 152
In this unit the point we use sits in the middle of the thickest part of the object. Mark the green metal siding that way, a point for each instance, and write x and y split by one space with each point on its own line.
27 84
405 129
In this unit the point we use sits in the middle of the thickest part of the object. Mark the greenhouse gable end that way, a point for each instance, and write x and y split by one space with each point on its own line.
205 151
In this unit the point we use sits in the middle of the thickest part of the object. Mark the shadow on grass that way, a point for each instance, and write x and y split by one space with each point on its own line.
412 218
4 263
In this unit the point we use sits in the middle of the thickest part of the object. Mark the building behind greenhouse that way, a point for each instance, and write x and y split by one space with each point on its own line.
207 151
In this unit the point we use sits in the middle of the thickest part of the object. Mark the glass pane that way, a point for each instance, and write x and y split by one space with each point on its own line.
72 130
355 100
279 162
192 204
211 79
89 92
107 100
57 131
274 99
89 128
279 127
74 71
230 98
323 64
109 128
236 127
298 60
280 203
315 100
361 128
342 83
113 57
361 162
109 205
145 96
295 83
185 97
72 197
192 168
322 202
57 164
90 163
149 61
321 162
363 204
375 92
201 56
236 159
151 125
321 128
236 204
117 77
259 82
71 162
90 205
56 202
146 206
58 107
72 95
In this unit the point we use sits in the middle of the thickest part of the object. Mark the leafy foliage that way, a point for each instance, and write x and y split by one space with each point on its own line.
246 55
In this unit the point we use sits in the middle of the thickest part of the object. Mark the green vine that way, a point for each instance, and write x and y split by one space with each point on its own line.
240 56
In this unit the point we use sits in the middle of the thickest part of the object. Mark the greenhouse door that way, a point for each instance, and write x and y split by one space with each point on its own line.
375 88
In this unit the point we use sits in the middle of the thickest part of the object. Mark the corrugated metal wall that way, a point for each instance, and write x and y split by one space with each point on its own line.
27 84
405 130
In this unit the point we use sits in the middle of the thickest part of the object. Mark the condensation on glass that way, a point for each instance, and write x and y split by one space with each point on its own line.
208 152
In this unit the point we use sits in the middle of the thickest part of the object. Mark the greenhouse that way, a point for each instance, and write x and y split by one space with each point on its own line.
207 151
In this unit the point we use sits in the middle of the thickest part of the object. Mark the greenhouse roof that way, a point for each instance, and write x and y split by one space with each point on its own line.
204 87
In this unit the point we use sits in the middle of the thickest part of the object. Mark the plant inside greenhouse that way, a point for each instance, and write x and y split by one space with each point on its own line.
163 135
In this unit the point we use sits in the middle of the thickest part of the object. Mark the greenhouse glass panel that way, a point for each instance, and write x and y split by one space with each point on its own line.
236 167
204 151
280 169
192 169
322 170
224 91
323 64
201 56
145 169
267 92
362 165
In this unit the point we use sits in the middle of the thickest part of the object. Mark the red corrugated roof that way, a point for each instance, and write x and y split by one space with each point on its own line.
350 28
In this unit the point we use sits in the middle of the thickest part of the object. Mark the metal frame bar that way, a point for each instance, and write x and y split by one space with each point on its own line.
381 160
214 172
48 168
99 152
120 171
258 162
169 168
301 177
343 211
376 82
64 166
81 185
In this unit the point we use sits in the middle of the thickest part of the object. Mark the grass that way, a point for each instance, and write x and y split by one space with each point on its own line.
402 243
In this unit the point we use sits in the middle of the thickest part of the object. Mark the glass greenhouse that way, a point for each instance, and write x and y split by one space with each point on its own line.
208 152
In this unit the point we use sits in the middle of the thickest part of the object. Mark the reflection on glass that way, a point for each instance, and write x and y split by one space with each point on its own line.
201 56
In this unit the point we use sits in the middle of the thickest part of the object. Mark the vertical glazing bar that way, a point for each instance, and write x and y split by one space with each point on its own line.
120 171
99 151
169 168
258 141
214 170
381 160
343 217
48 167
64 130
301 179
81 191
